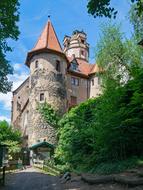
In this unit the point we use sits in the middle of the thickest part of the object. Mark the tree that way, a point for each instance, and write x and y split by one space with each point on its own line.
103 8
9 17
137 22
117 56
9 137
107 130
76 134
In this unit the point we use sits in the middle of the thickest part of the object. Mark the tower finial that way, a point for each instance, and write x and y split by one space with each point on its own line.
49 16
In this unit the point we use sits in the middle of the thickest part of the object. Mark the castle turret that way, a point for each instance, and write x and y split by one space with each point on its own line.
47 65
76 45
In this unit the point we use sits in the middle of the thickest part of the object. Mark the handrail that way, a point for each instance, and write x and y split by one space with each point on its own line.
3 175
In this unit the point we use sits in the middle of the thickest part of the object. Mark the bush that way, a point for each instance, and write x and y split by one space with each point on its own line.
10 137
104 130
76 135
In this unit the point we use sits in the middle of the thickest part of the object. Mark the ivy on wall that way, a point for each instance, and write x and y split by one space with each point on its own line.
49 115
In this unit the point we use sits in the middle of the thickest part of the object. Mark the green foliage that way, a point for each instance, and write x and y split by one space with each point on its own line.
10 137
105 133
9 17
117 56
116 167
13 146
100 8
76 135
137 23
49 114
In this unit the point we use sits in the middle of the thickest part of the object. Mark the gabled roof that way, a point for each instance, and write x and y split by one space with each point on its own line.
42 144
19 87
84 68
48 39
95 69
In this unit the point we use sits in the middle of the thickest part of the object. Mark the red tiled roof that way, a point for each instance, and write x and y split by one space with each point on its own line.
85 67
48 39
95 69
47 42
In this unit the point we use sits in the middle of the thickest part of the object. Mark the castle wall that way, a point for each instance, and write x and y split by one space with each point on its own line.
76 51
20 97
95 88
80 92
45 79
76 45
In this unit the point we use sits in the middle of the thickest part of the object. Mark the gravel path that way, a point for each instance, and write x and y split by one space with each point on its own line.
31 179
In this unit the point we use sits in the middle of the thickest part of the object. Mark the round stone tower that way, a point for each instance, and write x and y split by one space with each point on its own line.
47 83
76 45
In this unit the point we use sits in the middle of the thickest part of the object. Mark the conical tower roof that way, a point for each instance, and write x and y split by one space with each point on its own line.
48 39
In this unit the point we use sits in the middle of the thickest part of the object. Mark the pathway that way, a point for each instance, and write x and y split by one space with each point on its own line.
31 179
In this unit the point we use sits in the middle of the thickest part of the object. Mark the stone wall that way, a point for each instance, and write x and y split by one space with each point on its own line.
95 86
20 98
45 79
81 91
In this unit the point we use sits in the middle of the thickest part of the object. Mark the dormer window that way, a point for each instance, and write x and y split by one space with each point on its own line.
36 64
82 41
58 66
74 66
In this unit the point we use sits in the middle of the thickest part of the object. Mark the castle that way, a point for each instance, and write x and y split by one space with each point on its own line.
62 77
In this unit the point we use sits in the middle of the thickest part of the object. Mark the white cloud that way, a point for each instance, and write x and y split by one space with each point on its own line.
17 66
17 80
5 118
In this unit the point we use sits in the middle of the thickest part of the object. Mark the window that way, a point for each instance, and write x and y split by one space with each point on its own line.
58 66
75 81
42 97
43 139
18 106
74 66
82 41
92 81
36 64
82 52
73 100
98 81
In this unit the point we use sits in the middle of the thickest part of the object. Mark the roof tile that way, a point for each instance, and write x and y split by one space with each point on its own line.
48 39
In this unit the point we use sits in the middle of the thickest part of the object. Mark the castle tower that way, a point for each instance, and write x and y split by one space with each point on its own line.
47 65
76 45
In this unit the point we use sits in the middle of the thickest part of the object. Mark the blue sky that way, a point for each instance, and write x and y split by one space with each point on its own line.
66 16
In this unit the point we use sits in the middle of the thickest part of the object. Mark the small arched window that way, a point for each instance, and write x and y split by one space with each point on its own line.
82 41
82 53
58 67
41 97
92 81
36 64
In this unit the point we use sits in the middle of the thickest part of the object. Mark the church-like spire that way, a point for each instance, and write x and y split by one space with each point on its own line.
48 39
